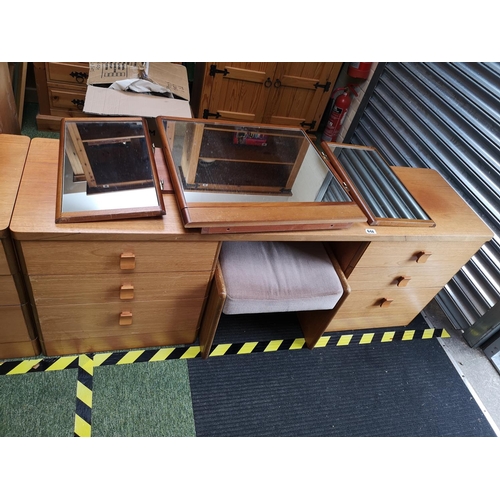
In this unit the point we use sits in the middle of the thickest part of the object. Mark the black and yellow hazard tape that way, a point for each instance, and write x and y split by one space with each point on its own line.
38 365
191 352
86 363
83 412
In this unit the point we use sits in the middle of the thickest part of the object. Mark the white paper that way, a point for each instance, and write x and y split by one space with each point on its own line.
141 86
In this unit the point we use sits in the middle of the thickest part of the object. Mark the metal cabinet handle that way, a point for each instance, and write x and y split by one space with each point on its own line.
79 76
277 83
79 103
268 83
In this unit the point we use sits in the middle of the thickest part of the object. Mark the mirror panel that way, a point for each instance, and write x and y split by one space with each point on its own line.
377 189
252 175
106 171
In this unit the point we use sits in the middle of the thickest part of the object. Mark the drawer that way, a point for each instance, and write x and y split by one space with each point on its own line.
63 113
97 288
66 100
8 291
98 320
68 72
415 276
25 349
116 343
363 309
13 325
442 253
71 257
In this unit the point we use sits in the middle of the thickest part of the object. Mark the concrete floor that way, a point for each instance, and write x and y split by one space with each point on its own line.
476 369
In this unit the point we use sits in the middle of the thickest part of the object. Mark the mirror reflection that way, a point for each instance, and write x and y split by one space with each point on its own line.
231 163
107 171
380 188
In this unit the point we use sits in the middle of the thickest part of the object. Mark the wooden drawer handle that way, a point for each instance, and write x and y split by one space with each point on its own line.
403 280
125 318
127 292
386 302
422 257
127 261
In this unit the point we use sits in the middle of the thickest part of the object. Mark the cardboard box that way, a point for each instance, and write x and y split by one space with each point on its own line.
106 94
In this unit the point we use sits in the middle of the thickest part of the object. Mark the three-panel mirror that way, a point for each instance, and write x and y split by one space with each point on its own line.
107 171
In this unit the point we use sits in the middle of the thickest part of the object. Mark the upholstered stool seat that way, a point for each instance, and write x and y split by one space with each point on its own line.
270 276
267 277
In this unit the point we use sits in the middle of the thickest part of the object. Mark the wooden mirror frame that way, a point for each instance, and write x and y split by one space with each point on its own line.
238 217
362 200
108 214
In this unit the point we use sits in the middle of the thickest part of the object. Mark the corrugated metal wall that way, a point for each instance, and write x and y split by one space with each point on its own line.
445 116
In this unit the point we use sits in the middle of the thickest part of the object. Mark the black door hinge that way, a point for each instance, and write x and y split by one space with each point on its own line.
214 70
325 87
207 114
310 125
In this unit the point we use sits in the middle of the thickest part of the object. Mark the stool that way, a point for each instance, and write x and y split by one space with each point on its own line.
266 277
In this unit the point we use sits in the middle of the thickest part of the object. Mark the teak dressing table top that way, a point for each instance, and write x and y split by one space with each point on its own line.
34 214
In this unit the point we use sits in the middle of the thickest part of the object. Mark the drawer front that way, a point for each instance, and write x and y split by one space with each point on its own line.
25 349
66 100
409 276
97 320
115 343
12 325
94 288
8 291
64 257
68 72
389 254
370 309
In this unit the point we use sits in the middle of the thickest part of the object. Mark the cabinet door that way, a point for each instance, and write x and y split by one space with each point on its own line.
300 93
237 91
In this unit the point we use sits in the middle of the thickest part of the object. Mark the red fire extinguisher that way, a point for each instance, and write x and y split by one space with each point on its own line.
338 113
359 69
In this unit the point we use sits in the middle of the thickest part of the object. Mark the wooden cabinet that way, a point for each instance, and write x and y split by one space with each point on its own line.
17 333
293 94
392 281
61 89
93 296
98 286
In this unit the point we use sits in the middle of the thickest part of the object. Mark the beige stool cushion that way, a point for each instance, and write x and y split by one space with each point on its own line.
278 277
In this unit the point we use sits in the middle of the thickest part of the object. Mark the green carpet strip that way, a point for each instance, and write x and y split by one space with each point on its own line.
163 354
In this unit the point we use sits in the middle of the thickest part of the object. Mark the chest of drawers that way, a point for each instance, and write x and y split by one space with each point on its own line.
17 334
99 286
108 295
61 89
391 283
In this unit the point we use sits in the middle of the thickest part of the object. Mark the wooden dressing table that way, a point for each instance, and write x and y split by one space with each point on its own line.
142 283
